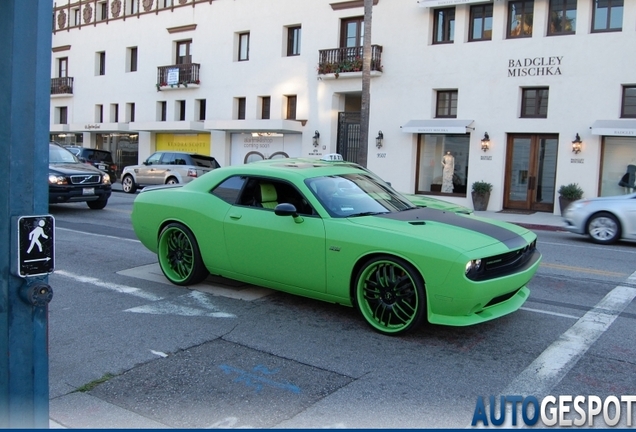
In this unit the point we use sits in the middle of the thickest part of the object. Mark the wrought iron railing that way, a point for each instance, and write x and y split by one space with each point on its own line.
342 60
63 85
178 75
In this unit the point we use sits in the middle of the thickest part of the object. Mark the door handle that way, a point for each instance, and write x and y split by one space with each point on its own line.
236 216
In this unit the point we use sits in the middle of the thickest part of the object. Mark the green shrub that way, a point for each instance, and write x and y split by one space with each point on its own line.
482 187
571 191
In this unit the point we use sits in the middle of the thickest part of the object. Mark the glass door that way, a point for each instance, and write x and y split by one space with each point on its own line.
531 172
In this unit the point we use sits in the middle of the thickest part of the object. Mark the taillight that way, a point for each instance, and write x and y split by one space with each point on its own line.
192 172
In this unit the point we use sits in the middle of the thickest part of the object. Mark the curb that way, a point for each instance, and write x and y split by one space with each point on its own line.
540 227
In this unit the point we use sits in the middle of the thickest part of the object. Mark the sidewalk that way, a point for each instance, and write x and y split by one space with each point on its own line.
536 221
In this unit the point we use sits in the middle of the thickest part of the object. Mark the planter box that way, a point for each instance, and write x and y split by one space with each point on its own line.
480 201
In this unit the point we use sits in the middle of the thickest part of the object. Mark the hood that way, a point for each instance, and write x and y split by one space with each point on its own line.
459 231
74 168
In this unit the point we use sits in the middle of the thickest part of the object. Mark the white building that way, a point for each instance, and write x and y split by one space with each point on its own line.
249 79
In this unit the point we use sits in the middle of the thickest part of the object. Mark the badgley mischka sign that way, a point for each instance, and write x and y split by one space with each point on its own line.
535 66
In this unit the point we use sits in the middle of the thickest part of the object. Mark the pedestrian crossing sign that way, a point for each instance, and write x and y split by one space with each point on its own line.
36 245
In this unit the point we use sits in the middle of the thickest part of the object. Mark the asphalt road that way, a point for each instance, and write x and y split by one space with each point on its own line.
128 349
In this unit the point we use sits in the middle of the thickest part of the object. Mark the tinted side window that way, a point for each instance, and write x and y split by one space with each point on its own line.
168 159
230 189
204 161
154 159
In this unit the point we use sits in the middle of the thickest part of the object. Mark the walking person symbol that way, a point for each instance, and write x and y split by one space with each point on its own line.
35 235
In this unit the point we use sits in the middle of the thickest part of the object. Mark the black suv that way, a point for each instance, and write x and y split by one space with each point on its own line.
73 181
100 159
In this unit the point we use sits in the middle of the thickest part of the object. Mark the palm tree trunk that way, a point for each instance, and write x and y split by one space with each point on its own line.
366 85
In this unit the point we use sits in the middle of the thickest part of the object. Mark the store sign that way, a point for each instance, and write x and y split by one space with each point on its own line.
192 143
535 66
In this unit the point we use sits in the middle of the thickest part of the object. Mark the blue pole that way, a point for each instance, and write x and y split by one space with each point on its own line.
25 32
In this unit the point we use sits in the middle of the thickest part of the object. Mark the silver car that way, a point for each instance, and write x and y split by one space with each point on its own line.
166 167
604 219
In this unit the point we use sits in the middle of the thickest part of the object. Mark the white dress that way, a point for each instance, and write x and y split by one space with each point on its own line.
448 161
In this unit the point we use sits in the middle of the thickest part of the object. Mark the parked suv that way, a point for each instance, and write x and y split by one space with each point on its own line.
166 167
73 181
100 159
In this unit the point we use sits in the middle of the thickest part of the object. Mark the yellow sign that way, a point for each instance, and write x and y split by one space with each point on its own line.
191 143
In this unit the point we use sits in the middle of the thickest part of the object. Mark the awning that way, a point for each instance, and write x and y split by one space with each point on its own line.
614 128
436 3
437 126
256 126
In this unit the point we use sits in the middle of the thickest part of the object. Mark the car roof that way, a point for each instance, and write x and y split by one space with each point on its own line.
294 167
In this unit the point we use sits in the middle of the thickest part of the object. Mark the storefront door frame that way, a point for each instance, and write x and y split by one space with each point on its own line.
530 172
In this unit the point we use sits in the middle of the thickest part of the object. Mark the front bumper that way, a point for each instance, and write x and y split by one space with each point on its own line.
68 193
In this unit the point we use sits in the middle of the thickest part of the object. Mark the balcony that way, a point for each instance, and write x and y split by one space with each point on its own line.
337 61
178 76
62 86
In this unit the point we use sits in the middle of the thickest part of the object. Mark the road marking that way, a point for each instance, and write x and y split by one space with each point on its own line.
193 304
111 286
558 359
582 269
98 235
212 285
549 313
590 246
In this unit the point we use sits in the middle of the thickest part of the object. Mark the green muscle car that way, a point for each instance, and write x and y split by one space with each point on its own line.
338 233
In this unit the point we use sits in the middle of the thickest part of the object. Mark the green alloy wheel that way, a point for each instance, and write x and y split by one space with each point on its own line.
179 256
390 295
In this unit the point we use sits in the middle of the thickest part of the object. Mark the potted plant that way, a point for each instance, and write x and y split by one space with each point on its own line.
568 194
481 194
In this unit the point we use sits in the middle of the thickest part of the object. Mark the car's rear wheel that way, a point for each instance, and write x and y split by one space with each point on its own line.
128 184
172 180
603 228
97 205
389 293
179 256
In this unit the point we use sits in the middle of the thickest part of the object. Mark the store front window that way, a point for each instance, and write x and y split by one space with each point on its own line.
67 138
618 169
442 164
124 147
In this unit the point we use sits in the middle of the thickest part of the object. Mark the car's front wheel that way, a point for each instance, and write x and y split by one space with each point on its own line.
604 228
389 293
128 184
179 256
97 205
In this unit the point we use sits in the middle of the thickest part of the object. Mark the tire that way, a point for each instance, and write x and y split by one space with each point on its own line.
172 180
97 205
179 256
389 293
603 228
128 184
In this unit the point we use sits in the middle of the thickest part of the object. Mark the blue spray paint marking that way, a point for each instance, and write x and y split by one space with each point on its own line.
257 381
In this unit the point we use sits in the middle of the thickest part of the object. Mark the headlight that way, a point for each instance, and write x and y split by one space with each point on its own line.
473 266
57 180
106 179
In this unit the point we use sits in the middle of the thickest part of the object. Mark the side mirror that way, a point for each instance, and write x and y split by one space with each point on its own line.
147 163
286 209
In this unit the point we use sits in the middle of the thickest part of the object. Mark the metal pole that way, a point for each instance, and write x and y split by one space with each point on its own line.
25 32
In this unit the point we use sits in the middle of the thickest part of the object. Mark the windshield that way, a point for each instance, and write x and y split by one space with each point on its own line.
350 195
58 154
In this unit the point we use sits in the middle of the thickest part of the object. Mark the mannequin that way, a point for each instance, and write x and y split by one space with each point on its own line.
448 162
629 179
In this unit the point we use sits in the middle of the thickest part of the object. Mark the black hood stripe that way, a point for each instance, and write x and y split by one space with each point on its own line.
511 239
